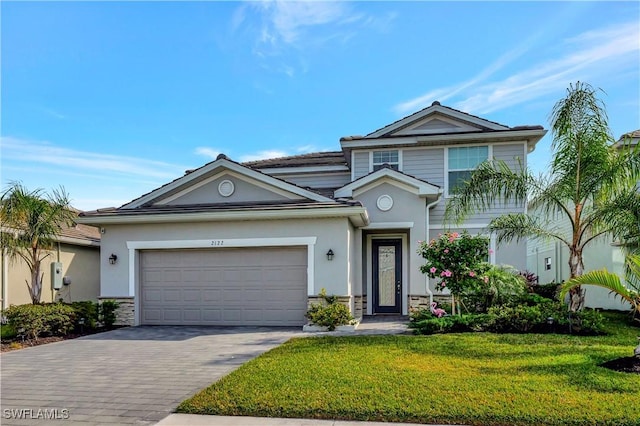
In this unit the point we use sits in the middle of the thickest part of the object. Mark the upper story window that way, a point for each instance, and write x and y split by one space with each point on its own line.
462 162
385 157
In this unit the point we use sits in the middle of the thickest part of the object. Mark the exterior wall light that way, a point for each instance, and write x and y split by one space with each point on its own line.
113 259
330 255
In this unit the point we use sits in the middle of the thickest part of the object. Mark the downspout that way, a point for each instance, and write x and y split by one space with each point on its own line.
5 278
426 239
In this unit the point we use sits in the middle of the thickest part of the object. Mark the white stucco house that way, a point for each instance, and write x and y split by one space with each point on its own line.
253 243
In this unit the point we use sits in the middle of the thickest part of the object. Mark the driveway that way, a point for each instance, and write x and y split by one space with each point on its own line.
134 375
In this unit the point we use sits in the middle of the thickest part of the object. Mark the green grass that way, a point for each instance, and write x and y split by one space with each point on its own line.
7 332
476 379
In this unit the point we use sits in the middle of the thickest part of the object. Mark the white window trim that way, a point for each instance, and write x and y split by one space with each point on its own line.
446 163
383 150
213 244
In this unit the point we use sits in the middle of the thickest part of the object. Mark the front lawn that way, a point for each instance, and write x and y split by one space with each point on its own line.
469 378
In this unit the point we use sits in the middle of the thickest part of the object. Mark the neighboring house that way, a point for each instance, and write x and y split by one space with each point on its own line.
549 259
77 250
254 243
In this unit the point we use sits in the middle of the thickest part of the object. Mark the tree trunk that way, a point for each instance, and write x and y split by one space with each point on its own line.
36 283
576 268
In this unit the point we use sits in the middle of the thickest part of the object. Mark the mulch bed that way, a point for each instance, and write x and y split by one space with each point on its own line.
629 364
16 343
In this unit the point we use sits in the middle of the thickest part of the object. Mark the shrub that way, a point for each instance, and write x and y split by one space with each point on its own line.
107 312
330 313
87 310
451 324
38 320
503 286
519 318
7 332
550 291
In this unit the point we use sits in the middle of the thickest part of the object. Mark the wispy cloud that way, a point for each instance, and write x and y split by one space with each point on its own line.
291 28
45 153
207 152
591 54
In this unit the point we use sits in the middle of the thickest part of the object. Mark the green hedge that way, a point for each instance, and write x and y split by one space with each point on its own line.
33 321
513 319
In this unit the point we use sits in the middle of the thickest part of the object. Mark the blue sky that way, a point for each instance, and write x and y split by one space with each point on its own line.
111 100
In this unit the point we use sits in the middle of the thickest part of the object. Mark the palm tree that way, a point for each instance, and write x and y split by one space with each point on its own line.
30 223
605 279
590 184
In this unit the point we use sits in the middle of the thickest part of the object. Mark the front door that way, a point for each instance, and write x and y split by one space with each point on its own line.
387 276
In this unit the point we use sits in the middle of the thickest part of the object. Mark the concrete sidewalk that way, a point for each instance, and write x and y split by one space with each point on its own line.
197 420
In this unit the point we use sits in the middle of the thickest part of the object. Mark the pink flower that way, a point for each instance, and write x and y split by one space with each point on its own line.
443 284
433 270
485 279
455 235
472 274
446 250
446 273
490 251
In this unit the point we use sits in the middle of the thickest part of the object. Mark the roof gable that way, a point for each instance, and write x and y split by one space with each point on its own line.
436 119
192 184
387 175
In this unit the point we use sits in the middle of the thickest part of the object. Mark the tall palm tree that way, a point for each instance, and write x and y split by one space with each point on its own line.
590 183
30 222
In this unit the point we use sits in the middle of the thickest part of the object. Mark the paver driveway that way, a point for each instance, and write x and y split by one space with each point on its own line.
134 375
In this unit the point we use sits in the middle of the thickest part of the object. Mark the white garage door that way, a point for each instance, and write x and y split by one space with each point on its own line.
238 286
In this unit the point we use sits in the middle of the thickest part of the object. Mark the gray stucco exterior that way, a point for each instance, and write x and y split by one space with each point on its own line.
337 202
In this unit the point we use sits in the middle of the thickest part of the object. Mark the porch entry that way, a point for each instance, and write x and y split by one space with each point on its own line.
387 276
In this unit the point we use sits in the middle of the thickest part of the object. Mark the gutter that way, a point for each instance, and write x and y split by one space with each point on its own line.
357 215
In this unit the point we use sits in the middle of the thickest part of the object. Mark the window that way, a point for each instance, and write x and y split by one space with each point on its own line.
462 162
385 157
547 263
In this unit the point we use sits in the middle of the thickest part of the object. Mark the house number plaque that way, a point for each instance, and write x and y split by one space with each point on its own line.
217 243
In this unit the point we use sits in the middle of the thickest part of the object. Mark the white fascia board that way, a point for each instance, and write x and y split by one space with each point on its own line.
78 241
230 165
300 170
222 243
441 110
389 225
531 136
357 215
422 188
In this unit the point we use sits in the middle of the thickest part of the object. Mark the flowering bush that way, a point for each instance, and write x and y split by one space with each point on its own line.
458 261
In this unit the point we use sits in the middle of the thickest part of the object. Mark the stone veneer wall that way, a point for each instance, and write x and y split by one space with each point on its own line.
125 313
420 301
358 306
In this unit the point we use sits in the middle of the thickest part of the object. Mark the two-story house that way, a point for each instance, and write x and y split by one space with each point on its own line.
253 243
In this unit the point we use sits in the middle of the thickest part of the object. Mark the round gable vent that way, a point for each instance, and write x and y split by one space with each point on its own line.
385 202
226 188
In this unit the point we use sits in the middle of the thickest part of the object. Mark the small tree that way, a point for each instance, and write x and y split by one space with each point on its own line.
458 261
30 222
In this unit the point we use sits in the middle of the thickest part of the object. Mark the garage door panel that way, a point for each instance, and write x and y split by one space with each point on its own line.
245 286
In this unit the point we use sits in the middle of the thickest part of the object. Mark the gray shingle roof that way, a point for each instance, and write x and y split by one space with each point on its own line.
327 158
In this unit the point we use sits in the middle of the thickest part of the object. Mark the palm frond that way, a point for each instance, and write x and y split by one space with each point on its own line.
605 279
490 183
519 226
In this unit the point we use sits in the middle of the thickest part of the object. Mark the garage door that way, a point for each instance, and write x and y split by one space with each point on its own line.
243 286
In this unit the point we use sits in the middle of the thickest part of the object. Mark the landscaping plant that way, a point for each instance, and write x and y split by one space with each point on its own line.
31 220
457 261
329 313
591 184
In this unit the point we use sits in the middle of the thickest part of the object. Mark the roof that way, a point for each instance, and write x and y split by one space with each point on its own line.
437 107
221 160
77 233
421 186
326 158
630 138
